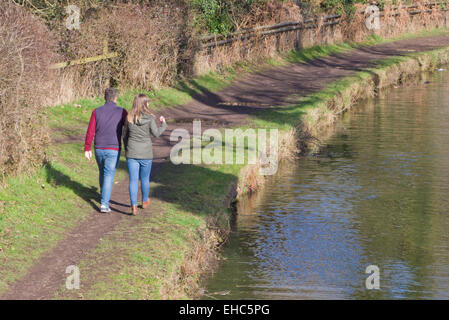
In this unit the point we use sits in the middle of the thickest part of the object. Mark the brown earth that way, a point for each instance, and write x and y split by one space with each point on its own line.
228 107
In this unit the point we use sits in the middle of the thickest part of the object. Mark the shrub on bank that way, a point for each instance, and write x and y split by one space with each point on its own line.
153 43
25 53
147 39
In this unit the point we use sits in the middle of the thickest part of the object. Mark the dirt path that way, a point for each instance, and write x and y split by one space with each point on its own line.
228 107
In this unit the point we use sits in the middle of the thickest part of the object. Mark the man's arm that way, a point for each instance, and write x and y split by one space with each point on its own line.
90 134
124 115
125 128
125 135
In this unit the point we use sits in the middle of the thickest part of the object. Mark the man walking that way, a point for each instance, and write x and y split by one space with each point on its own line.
105 125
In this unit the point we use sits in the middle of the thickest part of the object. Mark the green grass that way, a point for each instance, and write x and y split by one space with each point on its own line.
315 52
286 118
139 257
302 56
36 211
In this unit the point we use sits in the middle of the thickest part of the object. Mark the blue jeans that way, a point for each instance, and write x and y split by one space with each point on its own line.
107 161
139 169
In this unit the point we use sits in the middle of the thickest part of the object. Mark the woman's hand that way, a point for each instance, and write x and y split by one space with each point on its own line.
162 119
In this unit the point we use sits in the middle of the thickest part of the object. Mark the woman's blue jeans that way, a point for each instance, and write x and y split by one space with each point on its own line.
139 169
107 161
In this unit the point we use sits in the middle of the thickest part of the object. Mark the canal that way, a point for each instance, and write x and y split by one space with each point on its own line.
376 194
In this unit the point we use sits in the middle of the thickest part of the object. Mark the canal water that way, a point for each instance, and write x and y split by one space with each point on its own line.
377 194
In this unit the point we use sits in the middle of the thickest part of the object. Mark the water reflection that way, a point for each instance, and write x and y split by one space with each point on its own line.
376 194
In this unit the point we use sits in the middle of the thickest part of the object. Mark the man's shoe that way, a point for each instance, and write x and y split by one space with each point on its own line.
104 209
146 203
134 210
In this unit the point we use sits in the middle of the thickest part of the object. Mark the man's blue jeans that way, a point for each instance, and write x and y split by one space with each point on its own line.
107 161
139 169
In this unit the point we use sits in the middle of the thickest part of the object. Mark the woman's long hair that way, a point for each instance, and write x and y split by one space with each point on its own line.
141 105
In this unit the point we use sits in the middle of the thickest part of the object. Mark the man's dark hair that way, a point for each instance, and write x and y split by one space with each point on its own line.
110 94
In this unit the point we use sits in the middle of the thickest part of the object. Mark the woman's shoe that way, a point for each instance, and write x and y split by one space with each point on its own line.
134 210
146 203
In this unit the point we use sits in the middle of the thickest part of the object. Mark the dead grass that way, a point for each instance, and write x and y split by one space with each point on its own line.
395 20
201 259
250 178
25 54
148 39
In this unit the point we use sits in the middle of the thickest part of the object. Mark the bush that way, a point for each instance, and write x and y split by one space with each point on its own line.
213 16
226 16
25 53
150 40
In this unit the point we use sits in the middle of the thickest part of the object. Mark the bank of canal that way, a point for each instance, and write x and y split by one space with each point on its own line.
376 194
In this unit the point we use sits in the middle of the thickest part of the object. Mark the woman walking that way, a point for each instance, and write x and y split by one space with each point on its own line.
139 124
